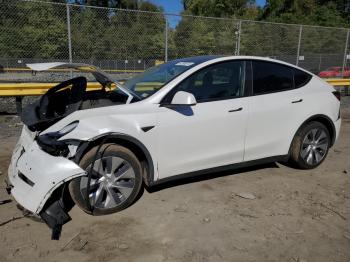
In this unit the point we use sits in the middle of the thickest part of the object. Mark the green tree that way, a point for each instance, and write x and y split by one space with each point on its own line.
118 34
30 31
313 12
216 8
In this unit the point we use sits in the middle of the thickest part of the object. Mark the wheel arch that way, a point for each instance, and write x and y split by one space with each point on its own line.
133 144
322 119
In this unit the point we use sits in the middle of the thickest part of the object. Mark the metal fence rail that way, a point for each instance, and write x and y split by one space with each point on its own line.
36 89
129 41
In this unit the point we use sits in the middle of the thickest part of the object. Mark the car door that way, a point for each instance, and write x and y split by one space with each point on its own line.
276 110
212 132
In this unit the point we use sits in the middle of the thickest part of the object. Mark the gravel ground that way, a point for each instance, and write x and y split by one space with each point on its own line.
264 213
8 104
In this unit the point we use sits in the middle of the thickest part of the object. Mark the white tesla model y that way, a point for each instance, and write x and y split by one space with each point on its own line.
182 118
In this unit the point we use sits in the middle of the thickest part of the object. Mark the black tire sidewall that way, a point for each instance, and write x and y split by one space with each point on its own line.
87 159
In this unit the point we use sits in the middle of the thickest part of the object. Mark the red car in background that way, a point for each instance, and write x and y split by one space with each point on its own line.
335 71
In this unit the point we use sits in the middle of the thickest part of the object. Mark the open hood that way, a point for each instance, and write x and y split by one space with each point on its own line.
100 76
71 95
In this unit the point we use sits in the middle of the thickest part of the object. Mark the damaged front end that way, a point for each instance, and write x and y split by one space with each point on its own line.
41 163
34 175
71 95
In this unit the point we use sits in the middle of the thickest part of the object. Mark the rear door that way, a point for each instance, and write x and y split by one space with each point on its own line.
276 109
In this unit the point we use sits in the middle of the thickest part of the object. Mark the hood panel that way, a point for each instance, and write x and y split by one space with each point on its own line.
101 77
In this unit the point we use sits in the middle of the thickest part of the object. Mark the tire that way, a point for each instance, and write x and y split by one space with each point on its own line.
310 146
115 183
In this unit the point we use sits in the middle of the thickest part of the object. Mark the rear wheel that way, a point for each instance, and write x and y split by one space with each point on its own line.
115 181
310 145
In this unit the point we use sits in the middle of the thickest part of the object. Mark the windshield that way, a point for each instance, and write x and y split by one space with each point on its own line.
153 79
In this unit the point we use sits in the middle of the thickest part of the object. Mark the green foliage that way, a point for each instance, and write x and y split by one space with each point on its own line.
216 8
36 30
32 32
194 36
315 40
312 12
267 39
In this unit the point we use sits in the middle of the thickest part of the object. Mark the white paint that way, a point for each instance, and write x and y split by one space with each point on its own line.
45 66
184 63
184 98
184 139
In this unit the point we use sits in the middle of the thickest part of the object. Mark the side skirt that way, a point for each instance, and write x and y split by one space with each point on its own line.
281 158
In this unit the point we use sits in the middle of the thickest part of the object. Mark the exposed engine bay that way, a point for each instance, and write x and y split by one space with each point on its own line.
65 98
72 95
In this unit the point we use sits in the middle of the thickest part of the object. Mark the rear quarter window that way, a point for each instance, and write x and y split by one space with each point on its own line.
301 78
269 77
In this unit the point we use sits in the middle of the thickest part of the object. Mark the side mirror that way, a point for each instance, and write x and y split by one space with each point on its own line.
183 98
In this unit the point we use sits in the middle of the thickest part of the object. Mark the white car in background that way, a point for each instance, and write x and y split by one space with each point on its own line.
182 118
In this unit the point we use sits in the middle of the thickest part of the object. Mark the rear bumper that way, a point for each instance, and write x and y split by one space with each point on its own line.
337 125
34 174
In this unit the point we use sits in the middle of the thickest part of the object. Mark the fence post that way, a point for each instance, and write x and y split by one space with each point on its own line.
320 63
238 47
299 43
345 51
69 34
166 41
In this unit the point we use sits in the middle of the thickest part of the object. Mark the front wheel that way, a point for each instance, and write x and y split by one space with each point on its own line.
310 145
115 183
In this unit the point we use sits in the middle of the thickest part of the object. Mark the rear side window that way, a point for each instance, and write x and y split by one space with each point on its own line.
271 77
301 78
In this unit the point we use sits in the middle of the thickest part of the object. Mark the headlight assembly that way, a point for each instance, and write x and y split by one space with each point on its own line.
50 144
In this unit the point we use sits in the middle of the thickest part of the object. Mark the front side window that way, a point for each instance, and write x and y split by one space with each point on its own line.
271 77
216 82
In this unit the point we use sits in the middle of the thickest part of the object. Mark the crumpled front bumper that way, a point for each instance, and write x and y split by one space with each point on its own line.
34 174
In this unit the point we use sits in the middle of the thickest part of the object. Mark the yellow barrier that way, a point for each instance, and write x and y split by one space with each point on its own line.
34 89
338 82
68 70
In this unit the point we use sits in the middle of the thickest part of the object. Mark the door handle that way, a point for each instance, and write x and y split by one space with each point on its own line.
235 110
297 101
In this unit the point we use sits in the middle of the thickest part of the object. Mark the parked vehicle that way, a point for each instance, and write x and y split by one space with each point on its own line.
335 71
186 117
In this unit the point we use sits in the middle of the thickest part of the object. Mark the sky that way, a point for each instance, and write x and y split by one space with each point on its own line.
175 6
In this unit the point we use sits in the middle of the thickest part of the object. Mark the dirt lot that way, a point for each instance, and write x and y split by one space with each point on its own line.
296 216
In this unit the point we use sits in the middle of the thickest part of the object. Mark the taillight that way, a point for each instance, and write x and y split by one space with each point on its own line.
337 94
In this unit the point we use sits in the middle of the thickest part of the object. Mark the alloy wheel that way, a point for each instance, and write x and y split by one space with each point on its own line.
112 182
314 146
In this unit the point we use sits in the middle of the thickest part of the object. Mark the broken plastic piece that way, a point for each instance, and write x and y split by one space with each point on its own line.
2 202
8 187
55 216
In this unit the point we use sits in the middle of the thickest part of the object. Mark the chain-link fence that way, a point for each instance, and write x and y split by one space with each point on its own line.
125 42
